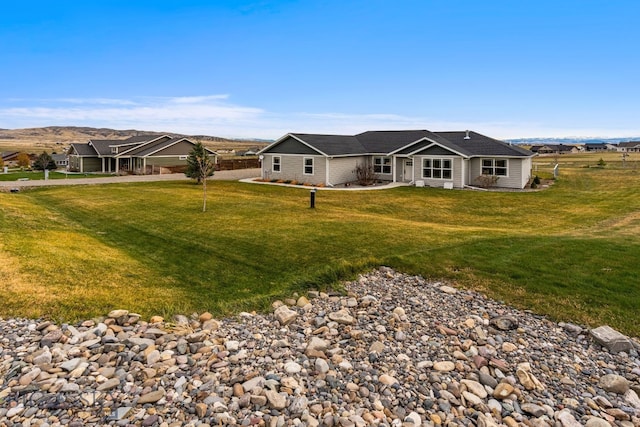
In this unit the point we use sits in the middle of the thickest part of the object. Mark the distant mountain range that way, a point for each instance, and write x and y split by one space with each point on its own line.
67 134
570 140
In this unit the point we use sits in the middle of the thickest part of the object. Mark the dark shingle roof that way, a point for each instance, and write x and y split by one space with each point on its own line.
629 144
481 145
151 147
408 141
332 145
84 149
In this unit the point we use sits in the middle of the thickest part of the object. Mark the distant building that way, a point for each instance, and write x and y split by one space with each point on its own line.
629 147
9 158
62 161
598 146
554 149
141 154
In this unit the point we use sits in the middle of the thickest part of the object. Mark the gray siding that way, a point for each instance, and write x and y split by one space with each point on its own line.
343 169
518 172
291 146
292 168
165 161
456 171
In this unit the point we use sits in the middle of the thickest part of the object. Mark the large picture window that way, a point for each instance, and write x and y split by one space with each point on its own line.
382 165
436 168
497 167
276 163
308 165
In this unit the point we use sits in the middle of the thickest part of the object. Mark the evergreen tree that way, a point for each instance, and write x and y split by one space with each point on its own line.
44 161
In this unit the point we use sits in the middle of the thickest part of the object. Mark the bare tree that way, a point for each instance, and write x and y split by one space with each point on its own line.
365 174
200 166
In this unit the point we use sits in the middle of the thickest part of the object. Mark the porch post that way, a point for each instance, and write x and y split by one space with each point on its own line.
393 167
327 171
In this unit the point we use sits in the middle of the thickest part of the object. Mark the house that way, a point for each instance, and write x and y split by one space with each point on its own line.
419 157
10 158
554 149
142 154
629 147
62 161
598 146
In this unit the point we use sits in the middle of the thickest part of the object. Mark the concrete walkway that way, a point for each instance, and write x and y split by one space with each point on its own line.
233 175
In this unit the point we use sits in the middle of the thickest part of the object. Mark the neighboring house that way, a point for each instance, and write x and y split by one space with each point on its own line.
144 155
629 147
62 161
419 157
10 158
598 146
554 149
249 152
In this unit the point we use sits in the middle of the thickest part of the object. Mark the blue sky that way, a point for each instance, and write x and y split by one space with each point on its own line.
260 69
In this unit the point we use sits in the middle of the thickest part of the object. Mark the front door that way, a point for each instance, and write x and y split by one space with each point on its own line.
407 171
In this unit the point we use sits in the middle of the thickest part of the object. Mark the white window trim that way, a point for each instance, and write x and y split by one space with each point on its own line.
493 166
441 169
274 164
304 166
383 164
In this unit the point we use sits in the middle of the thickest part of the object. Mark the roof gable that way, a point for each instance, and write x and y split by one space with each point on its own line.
295 144
83 150
436 149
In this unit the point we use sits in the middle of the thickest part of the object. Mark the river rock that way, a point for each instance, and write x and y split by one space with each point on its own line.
614 383
285 315
611 339
411 355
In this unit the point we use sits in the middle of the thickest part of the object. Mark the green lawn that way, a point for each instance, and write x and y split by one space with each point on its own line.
570 251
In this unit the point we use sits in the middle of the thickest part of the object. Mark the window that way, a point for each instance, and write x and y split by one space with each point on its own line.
114 150
436 168
183 157
497 167
275 163
382 165
308 165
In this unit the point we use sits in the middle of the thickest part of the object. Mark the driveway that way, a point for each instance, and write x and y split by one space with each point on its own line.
233 175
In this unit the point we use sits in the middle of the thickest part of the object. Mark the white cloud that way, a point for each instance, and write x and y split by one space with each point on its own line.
215 115
197 99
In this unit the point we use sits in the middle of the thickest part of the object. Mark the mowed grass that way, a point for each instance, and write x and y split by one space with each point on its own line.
570 252
15 175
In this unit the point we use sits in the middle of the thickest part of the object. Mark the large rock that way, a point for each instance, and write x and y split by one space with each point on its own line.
343 317
611 339
285 315
504 323
614 383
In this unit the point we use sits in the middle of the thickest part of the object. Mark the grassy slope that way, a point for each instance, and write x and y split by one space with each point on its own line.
570 251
